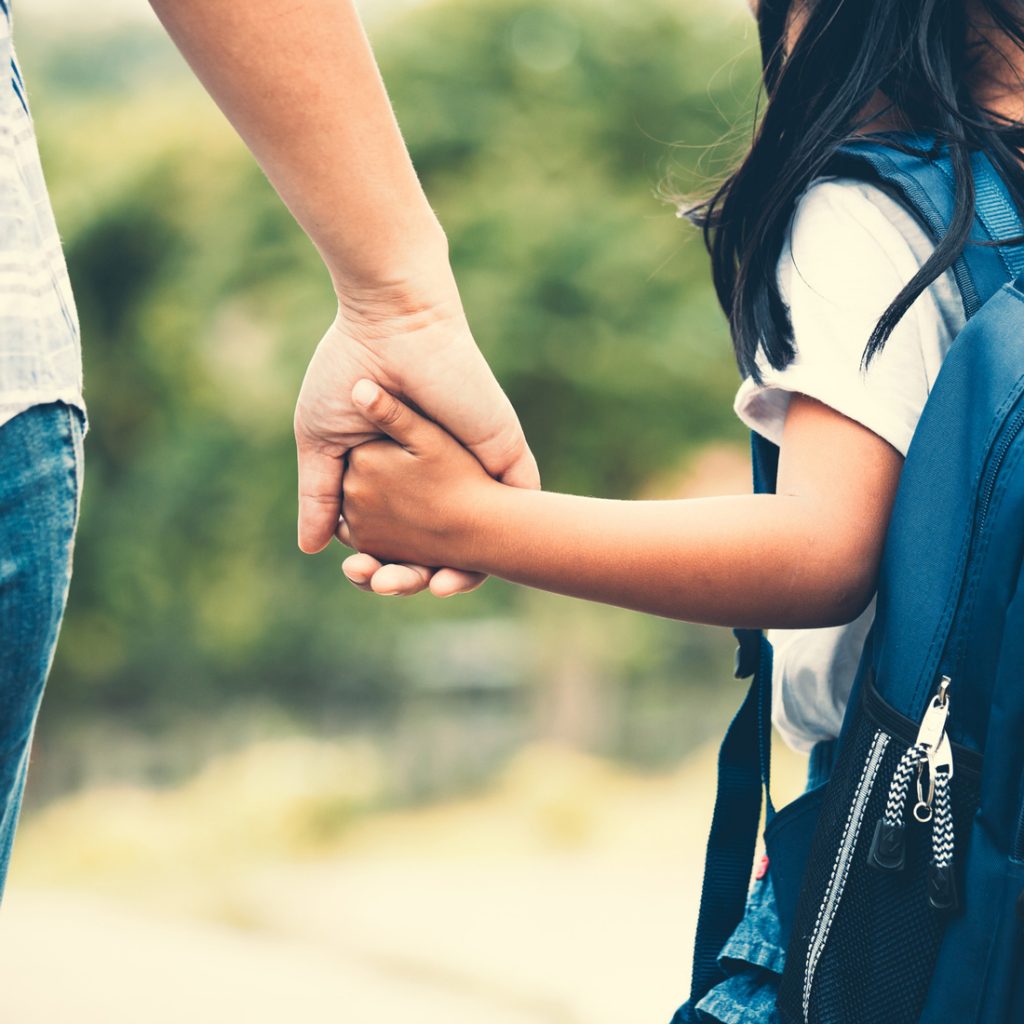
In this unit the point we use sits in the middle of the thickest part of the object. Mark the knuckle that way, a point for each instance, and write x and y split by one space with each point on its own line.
389 411
370 454
509 446
358 458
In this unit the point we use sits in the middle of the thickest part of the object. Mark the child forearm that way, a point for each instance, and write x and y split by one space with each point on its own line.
803 557
743 560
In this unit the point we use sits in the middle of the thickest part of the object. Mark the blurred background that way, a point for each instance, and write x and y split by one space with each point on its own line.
257 793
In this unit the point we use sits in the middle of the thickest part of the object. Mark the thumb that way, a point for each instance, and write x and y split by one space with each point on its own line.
504 451
522 470
392 417
319 497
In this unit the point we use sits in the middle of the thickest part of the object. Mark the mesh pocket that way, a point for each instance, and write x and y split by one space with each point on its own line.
865 941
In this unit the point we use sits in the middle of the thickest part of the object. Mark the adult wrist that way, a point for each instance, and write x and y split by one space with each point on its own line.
408 297
410 267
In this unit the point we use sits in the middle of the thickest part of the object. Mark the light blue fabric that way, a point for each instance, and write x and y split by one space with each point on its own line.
40 485
754 956
753 959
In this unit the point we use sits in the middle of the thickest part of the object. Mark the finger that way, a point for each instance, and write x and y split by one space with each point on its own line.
448 582
359 569
400 579
392 417
465 398
319 498
507 456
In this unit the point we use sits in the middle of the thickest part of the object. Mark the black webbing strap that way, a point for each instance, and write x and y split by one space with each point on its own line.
744 765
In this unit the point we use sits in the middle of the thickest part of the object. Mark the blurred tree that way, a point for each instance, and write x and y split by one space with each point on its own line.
542 132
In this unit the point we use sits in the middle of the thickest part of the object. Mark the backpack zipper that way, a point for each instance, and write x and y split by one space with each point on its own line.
988 487
841 865
997 456
1018 841
931 751
904 729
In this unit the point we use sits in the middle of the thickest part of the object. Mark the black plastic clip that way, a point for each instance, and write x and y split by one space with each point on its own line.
942 888
888 847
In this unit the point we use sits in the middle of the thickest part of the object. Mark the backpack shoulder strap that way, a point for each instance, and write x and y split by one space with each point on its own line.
919 174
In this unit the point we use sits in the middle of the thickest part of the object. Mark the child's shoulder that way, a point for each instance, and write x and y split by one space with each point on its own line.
849 250
850 243
850 224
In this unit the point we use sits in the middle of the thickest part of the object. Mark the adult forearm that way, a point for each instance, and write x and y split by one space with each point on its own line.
743 560
300 85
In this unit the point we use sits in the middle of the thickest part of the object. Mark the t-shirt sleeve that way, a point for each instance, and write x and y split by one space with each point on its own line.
844 261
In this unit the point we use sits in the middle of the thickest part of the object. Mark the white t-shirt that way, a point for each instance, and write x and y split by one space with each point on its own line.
850 248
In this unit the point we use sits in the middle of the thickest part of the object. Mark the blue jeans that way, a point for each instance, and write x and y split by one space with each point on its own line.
754 956
40 484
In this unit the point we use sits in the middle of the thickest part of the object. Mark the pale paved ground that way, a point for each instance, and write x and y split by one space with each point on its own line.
517 944
566 896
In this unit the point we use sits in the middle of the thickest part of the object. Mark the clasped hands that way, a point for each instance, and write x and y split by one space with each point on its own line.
410 486
415 497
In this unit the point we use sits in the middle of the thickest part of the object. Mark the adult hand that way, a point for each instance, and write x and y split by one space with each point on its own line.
416 495
314 111
425 354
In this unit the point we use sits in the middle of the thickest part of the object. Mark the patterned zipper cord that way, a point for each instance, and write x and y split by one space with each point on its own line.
941 885
888 845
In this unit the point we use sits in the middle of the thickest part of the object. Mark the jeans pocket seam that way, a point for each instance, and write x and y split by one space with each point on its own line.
75 472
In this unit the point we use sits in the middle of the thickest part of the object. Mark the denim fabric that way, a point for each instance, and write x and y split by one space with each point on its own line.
40 484
753 957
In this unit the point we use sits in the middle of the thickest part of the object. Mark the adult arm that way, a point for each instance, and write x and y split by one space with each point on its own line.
806 556
300 85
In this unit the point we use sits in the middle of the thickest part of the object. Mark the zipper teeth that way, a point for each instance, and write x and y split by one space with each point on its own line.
841 866
1018 839
997 460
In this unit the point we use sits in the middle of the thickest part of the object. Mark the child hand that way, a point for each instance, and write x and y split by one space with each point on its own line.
413 496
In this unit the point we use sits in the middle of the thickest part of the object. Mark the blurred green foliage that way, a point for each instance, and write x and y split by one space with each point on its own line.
542 132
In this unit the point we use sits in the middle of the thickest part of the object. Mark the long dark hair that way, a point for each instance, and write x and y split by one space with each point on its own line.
920 55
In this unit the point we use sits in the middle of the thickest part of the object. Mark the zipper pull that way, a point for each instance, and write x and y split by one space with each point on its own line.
933 724
888 844
930 734
940 759
942 894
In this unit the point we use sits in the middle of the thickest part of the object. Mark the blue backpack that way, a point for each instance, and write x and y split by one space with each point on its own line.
900 880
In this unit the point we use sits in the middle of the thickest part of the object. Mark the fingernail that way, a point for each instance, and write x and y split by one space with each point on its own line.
364 392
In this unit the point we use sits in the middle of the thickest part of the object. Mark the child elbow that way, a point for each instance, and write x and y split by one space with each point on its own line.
847 595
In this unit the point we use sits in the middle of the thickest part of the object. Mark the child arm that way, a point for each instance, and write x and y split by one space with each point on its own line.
806 556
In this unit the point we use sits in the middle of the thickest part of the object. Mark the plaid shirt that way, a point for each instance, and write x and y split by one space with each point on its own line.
40 349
